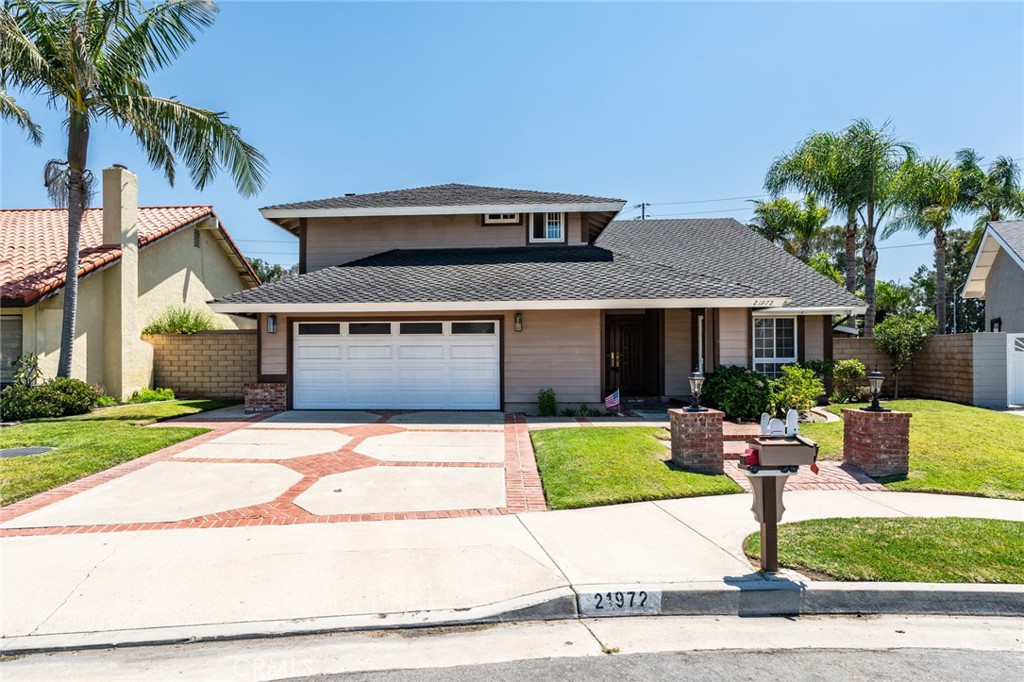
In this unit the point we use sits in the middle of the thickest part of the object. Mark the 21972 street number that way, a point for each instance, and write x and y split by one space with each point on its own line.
620 602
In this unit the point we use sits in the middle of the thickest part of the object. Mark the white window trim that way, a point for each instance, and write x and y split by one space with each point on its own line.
775 359
488 220
549 240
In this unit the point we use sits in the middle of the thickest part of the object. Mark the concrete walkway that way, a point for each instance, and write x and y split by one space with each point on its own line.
98 589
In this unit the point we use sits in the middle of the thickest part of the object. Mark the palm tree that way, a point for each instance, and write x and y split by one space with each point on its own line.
91 59
792 226
993 195
930 200
820 165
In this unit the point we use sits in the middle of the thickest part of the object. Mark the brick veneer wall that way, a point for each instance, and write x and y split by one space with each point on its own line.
265 397
697 440
215 364
944 369
877 442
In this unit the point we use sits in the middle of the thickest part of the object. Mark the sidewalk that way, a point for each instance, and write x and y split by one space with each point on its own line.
102 589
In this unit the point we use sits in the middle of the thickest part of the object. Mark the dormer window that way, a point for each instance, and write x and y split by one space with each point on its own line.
501 219
547 227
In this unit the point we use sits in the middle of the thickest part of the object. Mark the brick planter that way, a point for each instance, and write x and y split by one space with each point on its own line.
697 440
877 442
264 397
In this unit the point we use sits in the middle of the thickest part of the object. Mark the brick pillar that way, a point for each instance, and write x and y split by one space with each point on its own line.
264 397
697 440
877 442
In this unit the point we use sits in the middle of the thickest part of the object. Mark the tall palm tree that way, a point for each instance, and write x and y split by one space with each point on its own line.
820 165
91 59
995 194
928 206
792 226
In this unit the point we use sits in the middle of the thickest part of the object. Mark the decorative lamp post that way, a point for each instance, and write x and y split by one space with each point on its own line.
875 380
696 382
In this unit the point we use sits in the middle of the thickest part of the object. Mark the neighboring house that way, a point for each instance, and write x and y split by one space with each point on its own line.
134 263
997 276
466 297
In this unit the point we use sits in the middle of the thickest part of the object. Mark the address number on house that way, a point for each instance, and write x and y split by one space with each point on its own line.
631 602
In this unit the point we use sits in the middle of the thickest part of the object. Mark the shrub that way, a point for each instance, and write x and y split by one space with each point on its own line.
737 391
546 403
182 319
26 370
151 395
107 401
59 397
901 337
846 377
798 388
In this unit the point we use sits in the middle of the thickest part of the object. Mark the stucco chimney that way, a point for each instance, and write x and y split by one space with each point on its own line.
124 354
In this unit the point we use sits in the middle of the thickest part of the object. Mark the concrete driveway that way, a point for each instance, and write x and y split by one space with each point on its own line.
301 467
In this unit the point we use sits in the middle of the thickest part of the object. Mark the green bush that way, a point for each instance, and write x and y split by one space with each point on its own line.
901 337
151 395
798 388
546 403
738 391
182 319
107 401
56 398
846 377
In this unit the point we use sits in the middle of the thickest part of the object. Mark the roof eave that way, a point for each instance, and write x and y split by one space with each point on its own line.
276 214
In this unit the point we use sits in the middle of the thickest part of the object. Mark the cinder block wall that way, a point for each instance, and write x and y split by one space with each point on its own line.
212 364
943 370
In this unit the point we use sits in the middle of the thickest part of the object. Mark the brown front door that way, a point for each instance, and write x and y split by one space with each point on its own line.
624 355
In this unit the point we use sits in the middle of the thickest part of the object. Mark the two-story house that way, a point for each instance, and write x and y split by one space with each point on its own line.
466 297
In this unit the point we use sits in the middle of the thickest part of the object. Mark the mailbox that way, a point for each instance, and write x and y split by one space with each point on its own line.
783 453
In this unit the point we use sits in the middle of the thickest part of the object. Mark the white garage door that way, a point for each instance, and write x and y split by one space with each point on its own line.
1015 367
447 365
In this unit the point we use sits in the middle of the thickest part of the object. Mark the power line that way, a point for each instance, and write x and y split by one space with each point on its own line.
706 201
720 210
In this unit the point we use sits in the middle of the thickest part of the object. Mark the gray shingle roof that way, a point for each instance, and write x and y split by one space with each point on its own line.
493 274
1012 232
652 259
727 249
452 194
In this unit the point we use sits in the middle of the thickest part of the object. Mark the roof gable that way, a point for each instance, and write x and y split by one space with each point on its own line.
1005 235
33 245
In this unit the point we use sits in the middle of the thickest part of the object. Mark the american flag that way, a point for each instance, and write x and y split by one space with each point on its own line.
612 401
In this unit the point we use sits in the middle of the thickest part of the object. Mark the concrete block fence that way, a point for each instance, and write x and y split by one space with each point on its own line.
214 364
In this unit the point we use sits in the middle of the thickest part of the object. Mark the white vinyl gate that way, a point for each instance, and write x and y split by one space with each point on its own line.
1015 368
411 365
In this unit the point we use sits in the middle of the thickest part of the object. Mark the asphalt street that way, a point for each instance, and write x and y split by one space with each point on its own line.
853 665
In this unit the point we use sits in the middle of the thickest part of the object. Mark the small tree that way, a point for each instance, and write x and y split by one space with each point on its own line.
901 337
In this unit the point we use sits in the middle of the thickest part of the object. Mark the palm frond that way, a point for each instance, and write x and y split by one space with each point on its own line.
12 111
163 33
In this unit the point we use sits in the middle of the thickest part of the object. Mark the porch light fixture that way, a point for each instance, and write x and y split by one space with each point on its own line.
996 325
875 380
696 383
271 324
517 322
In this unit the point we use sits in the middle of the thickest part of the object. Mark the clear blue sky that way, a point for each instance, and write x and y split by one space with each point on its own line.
661 103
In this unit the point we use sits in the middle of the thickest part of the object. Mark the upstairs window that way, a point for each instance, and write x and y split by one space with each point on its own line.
548 227
774 344
501 219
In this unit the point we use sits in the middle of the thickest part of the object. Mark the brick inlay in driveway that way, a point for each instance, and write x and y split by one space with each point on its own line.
831 476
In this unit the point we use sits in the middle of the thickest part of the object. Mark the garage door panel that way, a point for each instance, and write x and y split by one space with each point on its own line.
388 372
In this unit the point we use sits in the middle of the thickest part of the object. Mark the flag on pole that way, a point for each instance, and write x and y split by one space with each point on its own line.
612 401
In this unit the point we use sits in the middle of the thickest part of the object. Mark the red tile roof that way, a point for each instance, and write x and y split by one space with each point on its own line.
34 241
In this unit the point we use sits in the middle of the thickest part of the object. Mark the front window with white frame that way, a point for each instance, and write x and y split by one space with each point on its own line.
548 227
501 219
774 344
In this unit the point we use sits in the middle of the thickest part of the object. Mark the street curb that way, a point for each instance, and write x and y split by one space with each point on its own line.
746 596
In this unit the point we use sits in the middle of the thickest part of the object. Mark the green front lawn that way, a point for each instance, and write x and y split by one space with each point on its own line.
89 443
952 550
589 466
954 448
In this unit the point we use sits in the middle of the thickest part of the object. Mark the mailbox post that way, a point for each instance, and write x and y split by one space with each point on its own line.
770 459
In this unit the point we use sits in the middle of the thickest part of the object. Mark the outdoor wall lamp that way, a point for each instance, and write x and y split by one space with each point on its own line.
696 383
875 380
517 322
271 324
996 325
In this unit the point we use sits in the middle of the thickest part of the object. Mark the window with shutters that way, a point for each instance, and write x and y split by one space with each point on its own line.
547 227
